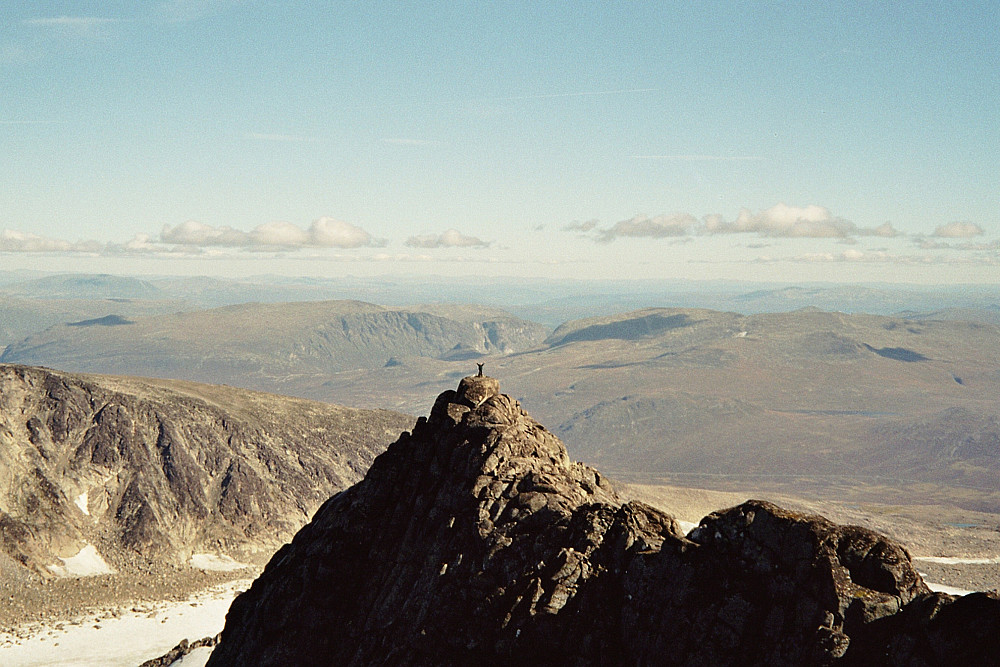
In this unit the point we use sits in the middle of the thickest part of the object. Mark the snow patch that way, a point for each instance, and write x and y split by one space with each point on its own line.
81 502
86 563
215 563
950 590
128 640
687 526
196 658
947 560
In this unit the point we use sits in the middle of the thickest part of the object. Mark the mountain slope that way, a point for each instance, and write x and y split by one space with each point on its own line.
144 472
475 540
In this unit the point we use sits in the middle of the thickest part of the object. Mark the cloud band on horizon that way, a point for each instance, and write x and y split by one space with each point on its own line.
781 220
451 238
322 233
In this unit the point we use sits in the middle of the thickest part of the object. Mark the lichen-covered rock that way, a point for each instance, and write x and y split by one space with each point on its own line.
475 540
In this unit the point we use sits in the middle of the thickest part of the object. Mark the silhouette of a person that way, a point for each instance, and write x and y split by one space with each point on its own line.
480 370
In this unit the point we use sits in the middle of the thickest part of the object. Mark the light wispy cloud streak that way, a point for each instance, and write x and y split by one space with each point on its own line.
702 158
32 122
588 93
399 141
290 138
80 22
452 238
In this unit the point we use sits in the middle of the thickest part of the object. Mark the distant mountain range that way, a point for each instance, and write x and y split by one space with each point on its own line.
548 302
282 347
817 392
690 395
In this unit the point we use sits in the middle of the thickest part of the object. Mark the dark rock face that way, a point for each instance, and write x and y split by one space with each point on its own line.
475 540
151 471
934 629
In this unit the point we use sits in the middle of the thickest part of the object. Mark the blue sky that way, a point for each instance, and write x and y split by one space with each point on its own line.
849 141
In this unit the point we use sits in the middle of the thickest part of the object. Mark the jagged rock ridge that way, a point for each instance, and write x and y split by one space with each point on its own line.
149 472
475 540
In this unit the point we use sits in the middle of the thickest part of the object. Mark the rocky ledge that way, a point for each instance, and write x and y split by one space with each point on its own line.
475 540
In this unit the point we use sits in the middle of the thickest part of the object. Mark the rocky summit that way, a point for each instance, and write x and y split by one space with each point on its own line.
475 540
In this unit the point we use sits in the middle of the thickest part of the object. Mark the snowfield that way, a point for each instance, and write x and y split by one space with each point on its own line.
86 563
128 640
947 560
212 562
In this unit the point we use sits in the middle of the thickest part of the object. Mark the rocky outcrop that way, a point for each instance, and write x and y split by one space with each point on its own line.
178 652
132 473
935 629
475 540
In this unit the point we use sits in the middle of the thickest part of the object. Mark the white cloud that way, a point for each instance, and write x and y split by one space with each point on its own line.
15 241
850 255
577 226
958 230
322 233
642 226
330 233
144 244
399 257
928 244
451 238
780 220
195 233
280 234
883 257
885 230
193 238
783 220
982 246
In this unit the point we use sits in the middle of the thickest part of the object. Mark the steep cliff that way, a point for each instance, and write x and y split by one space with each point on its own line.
475 540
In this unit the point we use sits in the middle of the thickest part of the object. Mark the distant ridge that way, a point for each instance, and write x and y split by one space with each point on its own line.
274 343
106 321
